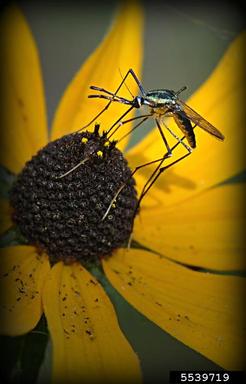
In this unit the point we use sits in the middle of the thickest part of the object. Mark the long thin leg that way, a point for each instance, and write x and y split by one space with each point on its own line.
169 152
154 173
125 84
95 88
134 118
159 165
161 170
177 138
111 98
117 121
135 126
129 72
145 117
132 174
150 182
96 117
75 167
123 185
163 137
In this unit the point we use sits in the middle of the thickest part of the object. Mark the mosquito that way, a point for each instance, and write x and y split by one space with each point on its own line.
161 103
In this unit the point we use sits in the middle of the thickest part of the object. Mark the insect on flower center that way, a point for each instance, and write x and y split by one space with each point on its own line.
60 198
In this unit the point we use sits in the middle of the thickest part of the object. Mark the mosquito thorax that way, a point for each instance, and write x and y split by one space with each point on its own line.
62 215
164 97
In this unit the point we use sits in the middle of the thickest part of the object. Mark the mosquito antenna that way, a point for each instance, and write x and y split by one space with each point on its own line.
126 84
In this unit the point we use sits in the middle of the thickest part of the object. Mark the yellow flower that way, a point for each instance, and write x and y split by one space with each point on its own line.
186 219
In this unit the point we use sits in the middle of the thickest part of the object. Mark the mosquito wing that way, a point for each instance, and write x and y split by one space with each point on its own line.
199 120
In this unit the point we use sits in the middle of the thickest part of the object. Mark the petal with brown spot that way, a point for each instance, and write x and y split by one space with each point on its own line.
22 275
88 345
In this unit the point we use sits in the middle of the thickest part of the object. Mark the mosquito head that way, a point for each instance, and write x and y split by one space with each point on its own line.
138 101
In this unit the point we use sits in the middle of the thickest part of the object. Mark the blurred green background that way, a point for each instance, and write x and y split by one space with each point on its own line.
183 42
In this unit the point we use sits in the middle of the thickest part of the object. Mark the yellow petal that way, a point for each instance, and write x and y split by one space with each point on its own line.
200 309
5 218
204 231
21 279
120 49
23 119
218 100
88 345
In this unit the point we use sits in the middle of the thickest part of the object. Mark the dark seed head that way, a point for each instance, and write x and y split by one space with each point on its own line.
61 211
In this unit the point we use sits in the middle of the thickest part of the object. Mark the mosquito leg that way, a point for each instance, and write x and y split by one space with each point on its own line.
102 90
160 160
129 72
137 81
73 169
178 138
111 98
126 85
152 180
144 118
136 126
136 118
124 184
168 154
163 138
157 168
117 121
96 117
153 174
133 74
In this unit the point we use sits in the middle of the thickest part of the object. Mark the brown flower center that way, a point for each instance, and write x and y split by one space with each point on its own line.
59 207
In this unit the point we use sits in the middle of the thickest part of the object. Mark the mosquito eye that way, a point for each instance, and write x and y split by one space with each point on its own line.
138 102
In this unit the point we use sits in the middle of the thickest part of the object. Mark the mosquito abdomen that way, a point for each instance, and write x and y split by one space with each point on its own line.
185 125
